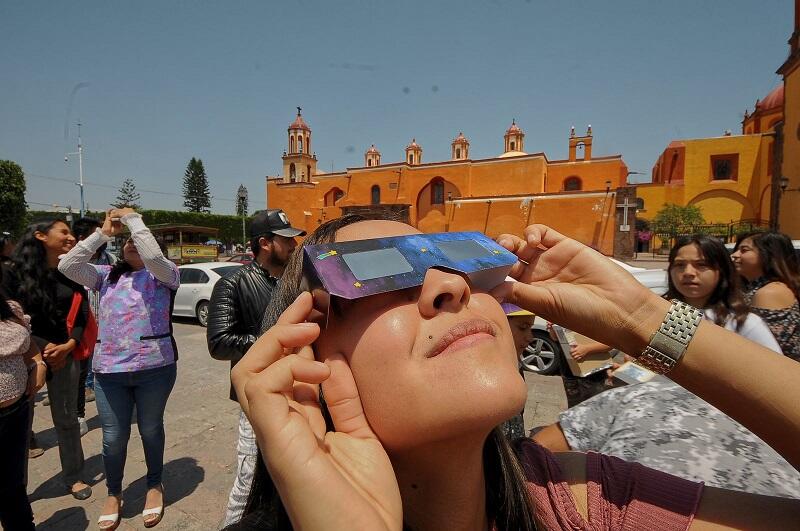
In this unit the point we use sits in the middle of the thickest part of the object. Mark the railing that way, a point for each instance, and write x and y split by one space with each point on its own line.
663 240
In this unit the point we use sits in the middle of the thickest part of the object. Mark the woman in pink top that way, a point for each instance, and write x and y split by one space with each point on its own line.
22 374
416 381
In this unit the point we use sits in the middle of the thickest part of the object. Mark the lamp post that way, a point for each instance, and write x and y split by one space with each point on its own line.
80 166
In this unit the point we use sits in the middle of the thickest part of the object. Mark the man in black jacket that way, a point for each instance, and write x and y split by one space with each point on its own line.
235 312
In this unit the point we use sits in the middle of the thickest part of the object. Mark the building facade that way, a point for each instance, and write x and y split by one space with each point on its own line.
788 182
577 196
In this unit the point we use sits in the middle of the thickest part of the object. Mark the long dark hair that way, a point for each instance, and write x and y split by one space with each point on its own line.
508 504
5 308
727 300
778 259
31 271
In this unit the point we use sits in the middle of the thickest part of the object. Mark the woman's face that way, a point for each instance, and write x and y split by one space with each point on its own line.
58 240
521 331
747 260
692 275
430 363
131 255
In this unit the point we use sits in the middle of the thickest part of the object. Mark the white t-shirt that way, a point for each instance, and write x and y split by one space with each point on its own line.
754 328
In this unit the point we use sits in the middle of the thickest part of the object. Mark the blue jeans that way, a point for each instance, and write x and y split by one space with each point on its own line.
116 394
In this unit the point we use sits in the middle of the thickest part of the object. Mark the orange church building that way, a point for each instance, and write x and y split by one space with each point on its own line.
578 196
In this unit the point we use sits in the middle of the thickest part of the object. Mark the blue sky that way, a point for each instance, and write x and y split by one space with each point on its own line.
161 82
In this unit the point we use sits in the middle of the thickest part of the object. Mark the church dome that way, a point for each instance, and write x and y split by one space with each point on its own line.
373 149
773 100
514 129
461 139
509 154
299 123
413 144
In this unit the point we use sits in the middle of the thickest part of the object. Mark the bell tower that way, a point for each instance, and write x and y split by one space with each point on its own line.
580 142
459 148
299 162
372 157
514 138
413 153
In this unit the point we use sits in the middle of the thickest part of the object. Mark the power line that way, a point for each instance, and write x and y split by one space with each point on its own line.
113 187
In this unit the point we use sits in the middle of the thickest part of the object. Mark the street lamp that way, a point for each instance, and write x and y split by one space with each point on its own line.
80 166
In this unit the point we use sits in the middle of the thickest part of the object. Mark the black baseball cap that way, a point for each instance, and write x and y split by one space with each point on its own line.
273 221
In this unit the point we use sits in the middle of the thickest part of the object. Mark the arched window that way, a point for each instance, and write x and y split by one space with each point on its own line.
411 158
333 195
308 172
299 144
337 194
639 203
376 194
572 184
513 145
292 173
291 144
458 153
369 162
437 191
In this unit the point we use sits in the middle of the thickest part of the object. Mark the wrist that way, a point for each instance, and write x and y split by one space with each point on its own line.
644 322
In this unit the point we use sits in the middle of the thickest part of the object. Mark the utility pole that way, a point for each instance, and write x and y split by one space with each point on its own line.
80 166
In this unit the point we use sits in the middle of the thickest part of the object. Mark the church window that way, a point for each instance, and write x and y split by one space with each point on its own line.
376 194
369 163
458 153
338 194
411 158
308 171
639 203
291 144
437 192
724 167
513 145
292 172
299 144
572 184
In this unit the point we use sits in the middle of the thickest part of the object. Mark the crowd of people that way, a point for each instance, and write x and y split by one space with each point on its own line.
404 409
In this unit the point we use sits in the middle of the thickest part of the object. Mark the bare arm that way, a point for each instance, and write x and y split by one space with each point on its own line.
552 438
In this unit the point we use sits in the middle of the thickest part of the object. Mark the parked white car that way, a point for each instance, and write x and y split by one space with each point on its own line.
197 282
544 356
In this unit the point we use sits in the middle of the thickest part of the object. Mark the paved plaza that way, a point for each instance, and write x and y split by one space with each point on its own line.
199 461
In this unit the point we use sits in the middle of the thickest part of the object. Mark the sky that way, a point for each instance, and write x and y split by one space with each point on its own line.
155 83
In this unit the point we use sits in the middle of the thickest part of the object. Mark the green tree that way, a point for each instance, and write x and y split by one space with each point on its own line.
673 218
128 197
13 207
241 201
196 195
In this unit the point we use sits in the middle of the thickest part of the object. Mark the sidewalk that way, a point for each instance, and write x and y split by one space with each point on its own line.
649 261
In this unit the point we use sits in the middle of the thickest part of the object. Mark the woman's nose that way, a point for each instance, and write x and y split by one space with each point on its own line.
442 292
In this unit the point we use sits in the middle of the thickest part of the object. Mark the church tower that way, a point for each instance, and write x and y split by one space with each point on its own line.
580 143
372 157
459 148
299 162
514 139
413 153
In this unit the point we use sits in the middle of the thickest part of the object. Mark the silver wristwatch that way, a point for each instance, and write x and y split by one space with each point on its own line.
671 339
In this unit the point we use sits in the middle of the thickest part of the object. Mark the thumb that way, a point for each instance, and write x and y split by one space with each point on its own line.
529 297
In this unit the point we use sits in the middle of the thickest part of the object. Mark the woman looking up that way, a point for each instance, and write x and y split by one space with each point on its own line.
134 361
47 296
701 274
415 382
767 261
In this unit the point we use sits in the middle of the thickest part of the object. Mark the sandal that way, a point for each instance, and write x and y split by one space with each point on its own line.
113 519
154 511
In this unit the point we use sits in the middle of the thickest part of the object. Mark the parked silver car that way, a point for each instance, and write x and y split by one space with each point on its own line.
544 356
197 282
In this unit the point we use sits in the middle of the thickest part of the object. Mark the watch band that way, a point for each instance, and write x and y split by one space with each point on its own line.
669 342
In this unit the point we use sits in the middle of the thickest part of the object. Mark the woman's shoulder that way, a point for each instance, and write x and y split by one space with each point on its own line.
773 296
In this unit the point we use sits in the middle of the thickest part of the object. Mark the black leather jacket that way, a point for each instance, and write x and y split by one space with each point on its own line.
235 311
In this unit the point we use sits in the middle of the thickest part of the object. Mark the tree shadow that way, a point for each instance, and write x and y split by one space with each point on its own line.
69 518
181 478
54 487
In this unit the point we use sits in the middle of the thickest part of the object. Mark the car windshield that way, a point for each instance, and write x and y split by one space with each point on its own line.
224 270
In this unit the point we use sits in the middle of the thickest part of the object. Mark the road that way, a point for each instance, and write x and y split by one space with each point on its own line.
200 455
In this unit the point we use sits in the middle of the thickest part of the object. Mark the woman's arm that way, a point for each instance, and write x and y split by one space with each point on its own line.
37 369
570 284
75 264
154 260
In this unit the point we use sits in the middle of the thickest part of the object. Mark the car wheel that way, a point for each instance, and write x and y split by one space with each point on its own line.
542 355
202 313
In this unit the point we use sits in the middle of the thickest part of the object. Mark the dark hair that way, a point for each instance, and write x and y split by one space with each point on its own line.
83 227
121 266
727 299
5 238
5 308
508 504
255 247
30 266
778 259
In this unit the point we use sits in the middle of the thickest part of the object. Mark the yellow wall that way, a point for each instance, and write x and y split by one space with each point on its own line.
747 197
789 214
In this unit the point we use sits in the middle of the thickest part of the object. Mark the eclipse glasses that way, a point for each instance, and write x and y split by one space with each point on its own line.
361 268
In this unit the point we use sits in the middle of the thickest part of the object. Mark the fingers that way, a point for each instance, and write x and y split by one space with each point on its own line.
344 403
